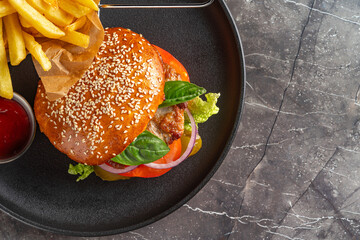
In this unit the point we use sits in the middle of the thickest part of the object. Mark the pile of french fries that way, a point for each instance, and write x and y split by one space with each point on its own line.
22 21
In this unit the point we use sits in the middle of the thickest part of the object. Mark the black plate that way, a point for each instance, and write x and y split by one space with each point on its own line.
37 190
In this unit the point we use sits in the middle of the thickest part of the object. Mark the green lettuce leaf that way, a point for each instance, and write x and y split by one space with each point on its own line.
80 169
202 110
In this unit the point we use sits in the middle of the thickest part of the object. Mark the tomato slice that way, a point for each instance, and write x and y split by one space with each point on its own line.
147 172
173 62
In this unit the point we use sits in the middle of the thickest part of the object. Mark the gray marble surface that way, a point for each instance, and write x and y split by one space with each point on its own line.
293 169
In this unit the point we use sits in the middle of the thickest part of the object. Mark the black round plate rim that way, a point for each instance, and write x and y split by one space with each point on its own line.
195 190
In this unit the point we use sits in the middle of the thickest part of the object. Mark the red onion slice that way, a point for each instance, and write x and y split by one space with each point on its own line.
187 151
109 168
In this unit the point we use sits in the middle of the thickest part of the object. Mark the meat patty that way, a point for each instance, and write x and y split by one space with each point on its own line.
168 122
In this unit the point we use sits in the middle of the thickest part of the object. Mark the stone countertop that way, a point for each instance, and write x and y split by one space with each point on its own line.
293 169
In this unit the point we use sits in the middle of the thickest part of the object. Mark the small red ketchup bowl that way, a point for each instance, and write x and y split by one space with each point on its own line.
17 127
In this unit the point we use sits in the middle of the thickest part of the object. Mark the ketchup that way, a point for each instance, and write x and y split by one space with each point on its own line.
14 127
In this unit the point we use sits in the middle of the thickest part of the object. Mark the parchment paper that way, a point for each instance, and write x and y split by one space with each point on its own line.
69 62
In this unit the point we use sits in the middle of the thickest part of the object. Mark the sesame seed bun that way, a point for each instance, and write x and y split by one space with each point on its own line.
110 105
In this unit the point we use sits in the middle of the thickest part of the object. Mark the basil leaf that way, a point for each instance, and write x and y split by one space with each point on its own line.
83 170
179 91
146 148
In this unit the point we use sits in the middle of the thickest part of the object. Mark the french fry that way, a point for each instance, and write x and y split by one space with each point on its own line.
56 15
88 3
24 23
33 32
53 3
6 89
26 19
79 23
6 8
36 19
74 9
36 51
76 38
5 41
17 51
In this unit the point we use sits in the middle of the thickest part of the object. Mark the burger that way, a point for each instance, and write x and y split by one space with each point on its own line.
130 115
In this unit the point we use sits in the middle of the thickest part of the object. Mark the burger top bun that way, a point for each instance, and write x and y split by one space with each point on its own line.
110 105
